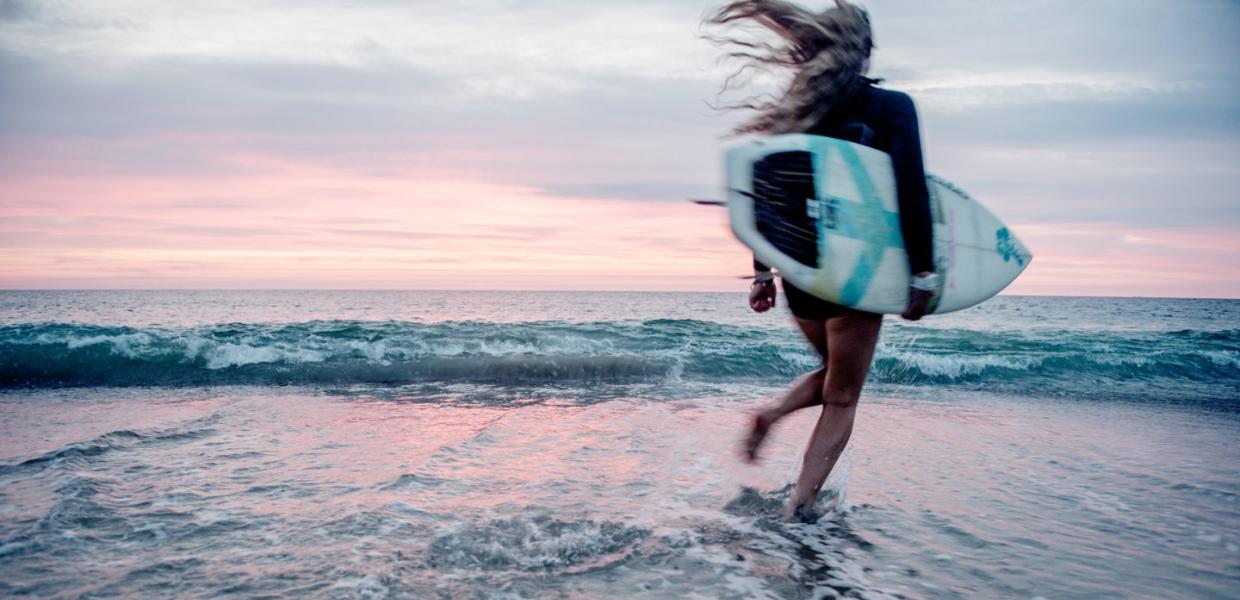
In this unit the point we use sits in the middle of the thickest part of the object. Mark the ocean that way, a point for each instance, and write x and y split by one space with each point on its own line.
401 444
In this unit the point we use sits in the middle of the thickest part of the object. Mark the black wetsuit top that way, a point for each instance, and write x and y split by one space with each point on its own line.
886 120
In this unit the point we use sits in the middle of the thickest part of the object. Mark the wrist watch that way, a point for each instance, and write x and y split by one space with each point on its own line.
926 283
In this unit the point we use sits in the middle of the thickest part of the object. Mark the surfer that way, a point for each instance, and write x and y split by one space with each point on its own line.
827 54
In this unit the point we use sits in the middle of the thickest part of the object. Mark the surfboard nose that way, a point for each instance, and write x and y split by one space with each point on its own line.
1011 257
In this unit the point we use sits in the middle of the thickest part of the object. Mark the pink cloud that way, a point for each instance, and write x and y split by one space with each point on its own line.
255 219
1109 259
288 224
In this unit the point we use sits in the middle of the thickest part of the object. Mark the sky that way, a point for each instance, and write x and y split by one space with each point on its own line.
547 144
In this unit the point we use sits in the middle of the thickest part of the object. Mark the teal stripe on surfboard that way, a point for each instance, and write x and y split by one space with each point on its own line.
881 227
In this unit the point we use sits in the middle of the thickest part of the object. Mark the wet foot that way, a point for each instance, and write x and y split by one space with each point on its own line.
800 513
759 425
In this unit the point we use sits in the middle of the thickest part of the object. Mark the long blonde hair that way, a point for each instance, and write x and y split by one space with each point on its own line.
824 51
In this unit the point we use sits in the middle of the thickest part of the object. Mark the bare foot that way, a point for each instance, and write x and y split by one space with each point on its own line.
797 512
801 507
759 426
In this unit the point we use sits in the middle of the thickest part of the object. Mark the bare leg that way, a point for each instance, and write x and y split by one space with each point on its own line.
806 392
851 339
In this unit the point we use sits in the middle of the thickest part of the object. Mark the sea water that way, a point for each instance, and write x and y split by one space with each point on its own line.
519 444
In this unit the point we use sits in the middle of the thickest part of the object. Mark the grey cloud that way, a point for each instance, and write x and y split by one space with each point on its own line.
611 135
1070 195
15 10
635 190
608 123
43 96
1175 38
1208 111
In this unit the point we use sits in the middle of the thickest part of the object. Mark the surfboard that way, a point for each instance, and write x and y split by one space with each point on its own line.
823 212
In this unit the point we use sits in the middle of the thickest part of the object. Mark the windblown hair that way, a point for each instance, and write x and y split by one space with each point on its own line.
824 52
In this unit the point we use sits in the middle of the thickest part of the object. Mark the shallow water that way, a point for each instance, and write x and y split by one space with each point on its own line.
554 476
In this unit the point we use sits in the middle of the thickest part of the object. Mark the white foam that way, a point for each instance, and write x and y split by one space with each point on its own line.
1222 358
955 366
368 586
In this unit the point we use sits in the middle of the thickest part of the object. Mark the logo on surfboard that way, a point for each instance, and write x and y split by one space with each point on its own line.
1007 248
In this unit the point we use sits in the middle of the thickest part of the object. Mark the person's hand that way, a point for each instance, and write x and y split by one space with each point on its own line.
920 293
918 304
762 295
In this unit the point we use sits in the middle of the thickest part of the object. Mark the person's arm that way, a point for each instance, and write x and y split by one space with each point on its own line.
916 223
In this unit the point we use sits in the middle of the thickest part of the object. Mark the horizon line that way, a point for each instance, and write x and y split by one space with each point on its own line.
565 291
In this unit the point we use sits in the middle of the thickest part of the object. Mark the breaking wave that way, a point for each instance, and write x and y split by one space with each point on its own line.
394 352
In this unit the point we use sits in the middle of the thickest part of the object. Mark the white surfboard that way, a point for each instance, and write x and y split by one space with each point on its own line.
824 215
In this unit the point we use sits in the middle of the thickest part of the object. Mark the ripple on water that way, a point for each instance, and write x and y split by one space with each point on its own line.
81 453
538 544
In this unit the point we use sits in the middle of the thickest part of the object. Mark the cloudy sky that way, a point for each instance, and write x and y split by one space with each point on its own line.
550 144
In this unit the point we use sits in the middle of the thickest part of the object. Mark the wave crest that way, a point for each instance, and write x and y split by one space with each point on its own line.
348 352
